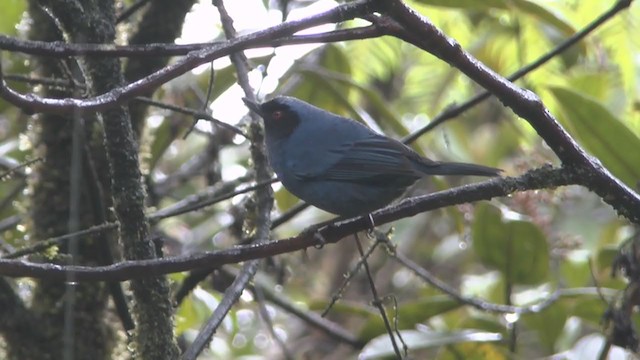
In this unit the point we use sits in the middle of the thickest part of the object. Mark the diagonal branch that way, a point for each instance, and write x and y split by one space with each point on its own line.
33 103
590 173
59 49
453 112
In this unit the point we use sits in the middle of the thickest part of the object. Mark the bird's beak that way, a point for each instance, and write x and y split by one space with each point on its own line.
253 106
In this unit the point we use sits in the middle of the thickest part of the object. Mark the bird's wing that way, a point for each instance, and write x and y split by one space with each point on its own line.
373 160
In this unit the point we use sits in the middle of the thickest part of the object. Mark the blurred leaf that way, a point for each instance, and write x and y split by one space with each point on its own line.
590 347
605 257
592 83
334 58
163 136
14 64
622 39
611 233
382 57
11 14
591 309
549 324
343 308
381 347
225 77
473 351
190 314
570 56
575 270
285 200
601 133
482 321
518 249
387 120
528 7
478 144
329 85
320 90
410 314
325 84
316 88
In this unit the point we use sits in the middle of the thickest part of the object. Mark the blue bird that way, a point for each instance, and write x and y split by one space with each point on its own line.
339 165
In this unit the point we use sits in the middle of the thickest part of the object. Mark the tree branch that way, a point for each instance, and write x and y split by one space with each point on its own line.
453 112
590 173
33 103
542 178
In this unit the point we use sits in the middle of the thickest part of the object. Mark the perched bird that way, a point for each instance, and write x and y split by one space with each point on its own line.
339 165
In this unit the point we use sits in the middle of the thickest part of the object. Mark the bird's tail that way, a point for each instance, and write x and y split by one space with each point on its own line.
454 168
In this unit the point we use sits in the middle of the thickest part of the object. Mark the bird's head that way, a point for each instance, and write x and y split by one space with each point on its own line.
281 115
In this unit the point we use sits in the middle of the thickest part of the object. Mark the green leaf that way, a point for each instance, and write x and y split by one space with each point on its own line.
163 136
549 324
11 13
381 346
225 77
409 314
575 269
315 87
525 6
387 120
285 200
474 351
606 256
590 346
329 86
518 249
482 321
601 133
191 313
591 309
343 308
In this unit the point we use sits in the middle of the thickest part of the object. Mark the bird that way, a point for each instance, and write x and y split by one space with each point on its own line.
340 165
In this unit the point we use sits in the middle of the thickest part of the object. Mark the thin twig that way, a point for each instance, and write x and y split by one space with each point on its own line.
17 169
200 201
476 303
377 302
337 295
330 328
59 240
207 99
195 113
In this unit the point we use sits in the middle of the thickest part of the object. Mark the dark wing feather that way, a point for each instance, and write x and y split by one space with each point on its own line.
375 160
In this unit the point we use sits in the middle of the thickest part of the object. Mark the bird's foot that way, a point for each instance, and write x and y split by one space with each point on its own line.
314 231
320 240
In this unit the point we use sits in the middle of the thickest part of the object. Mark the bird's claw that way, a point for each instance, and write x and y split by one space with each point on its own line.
313 231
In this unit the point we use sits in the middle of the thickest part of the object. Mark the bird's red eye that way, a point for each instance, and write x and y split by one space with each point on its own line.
277 115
